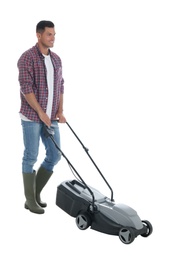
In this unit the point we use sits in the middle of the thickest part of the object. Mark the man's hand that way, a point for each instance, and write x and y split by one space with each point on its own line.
61 118
44 118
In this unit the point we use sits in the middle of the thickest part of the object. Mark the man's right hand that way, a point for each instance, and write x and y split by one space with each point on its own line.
44 118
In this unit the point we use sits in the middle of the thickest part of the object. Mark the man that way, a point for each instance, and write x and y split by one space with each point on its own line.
41 91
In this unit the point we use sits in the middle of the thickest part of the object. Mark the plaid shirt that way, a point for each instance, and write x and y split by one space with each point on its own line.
32 79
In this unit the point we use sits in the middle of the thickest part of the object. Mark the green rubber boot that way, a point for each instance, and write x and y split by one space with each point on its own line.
42 178
29 190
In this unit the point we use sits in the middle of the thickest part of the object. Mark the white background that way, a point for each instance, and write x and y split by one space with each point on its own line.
117 64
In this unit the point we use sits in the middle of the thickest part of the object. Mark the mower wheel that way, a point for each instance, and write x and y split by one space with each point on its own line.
126 235
83 221
149 227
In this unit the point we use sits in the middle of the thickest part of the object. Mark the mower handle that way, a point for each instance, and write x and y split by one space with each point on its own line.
87 151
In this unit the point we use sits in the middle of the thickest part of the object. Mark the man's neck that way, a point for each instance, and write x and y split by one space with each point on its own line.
43 50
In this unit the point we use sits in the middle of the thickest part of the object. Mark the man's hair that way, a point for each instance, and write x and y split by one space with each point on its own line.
42 24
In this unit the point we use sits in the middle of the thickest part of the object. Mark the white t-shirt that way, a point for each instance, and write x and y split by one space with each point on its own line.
50 84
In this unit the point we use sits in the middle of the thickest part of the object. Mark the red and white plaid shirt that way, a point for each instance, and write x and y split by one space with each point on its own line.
32 79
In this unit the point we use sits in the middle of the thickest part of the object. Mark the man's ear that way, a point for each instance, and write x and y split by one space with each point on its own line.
38 35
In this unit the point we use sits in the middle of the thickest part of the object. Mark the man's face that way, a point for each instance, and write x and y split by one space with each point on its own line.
47 38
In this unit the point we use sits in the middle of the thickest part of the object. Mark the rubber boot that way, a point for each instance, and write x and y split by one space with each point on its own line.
42 178
29 190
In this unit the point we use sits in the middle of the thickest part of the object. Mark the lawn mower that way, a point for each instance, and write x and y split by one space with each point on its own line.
91 208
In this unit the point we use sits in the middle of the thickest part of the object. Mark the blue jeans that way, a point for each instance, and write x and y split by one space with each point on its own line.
32 132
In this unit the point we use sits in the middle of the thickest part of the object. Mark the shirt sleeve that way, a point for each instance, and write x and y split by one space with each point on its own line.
26 74
62 86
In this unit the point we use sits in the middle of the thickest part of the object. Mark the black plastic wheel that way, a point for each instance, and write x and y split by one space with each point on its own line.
83 221
126 235
149 227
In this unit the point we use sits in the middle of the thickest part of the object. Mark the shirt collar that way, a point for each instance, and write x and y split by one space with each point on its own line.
40 51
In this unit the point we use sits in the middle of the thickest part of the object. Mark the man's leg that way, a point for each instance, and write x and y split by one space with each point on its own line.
31 136
52 158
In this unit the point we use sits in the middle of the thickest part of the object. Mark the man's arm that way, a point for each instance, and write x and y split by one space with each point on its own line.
32 101
59 114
